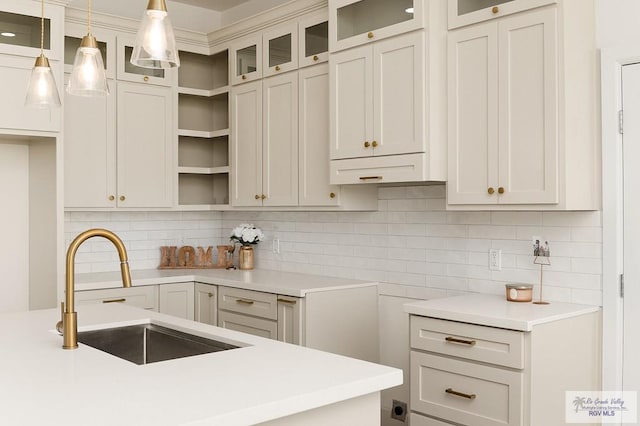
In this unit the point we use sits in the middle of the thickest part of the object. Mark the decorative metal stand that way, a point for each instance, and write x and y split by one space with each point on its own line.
542 261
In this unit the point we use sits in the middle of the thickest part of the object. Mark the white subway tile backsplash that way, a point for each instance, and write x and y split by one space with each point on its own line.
411 245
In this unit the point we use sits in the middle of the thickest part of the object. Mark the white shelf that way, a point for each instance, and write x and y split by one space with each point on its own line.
203 92
203 134
203 170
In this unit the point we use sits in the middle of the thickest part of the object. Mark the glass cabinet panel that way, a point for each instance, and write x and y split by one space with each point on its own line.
367 15
23 30
246 60
280 50
316 39
468 6
466 12
129 68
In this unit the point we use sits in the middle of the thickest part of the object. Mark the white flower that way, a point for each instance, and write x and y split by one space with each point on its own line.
246 233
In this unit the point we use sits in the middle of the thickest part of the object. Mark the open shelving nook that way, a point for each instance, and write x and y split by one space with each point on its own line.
203 130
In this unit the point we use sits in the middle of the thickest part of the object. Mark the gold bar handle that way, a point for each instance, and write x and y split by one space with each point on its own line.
370 177
115 300
460 394
245 302
462 341
291 302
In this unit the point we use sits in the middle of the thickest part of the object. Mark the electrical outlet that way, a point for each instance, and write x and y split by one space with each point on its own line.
276 246
495 260
399 410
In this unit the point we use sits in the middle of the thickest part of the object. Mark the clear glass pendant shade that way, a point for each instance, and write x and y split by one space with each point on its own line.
42 91
88 77
155 42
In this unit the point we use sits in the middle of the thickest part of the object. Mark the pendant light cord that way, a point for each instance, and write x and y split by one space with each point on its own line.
42 29
89 17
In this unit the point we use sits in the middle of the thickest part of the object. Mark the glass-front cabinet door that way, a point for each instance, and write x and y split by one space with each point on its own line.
313 39
246 59
129 72
355 22
466 12
20 29
280 49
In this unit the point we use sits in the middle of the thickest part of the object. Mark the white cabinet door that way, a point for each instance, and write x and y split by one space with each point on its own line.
246 59
206 303
145 145
314 188
280 49
280 140
246 144
351 101
246 324
313 39
90 150
177 299
473 121
399 95
528 108
290 326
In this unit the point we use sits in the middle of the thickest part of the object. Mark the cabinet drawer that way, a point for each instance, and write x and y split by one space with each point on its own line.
384 169
142 297
246 324
248 302
465 392
476 342
420 420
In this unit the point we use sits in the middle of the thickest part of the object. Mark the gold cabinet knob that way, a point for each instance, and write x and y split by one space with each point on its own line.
367 144
146 78
374 144
210 294
315 57
491 190
122 198
277 67
112 197
495 9
501 190
332 195
370 35
257 197
263 196
244 77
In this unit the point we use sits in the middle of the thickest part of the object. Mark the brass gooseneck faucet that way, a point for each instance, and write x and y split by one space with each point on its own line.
69 324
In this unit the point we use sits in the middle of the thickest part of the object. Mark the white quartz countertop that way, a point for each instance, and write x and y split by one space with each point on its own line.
285 283
495 311
42 384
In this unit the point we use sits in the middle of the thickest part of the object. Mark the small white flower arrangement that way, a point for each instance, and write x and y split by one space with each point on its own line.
247 234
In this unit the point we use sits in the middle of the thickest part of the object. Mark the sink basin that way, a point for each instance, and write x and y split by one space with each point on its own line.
147 343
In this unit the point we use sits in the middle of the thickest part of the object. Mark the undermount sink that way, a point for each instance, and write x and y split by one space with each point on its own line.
147 343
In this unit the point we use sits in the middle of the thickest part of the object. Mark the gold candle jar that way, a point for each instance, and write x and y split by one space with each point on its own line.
519 292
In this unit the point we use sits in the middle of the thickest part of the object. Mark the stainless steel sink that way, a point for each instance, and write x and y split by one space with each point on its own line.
147 343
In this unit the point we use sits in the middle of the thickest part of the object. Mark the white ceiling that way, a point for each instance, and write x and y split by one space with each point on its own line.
217 5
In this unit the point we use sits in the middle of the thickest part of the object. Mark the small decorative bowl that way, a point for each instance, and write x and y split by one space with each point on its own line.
519 292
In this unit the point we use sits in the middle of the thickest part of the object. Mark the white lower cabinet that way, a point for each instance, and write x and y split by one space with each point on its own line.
475 375
142 297
177 299
206 303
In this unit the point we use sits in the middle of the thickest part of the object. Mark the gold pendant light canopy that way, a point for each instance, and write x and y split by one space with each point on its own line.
42 91
155 45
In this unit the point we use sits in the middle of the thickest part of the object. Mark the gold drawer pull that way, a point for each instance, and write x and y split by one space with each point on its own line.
115 300
245 302
370 177
464 342
460 394
291 302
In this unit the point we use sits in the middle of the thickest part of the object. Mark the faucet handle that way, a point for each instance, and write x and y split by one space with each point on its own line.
59 323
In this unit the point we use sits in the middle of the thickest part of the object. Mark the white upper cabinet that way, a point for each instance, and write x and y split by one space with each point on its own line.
246 59
313 39
355 22
280 49
520 114
465 12
22 19
126 71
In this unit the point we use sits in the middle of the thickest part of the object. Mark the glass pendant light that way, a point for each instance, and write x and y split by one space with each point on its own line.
88 77
42 91
155 43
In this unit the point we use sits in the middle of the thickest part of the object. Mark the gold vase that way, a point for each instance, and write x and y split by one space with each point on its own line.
246 257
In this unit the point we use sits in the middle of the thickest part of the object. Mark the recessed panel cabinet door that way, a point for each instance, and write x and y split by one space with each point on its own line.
398 94
145 145
351 100
280 140
528 113
246 144
473 123
90 150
